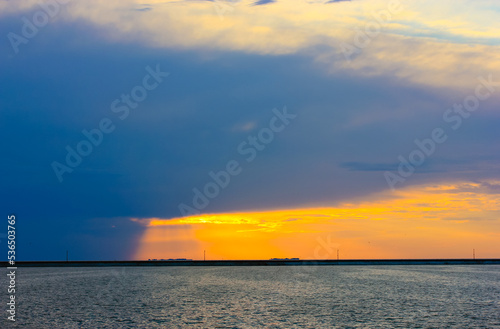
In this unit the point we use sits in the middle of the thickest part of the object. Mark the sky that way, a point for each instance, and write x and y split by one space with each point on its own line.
250 129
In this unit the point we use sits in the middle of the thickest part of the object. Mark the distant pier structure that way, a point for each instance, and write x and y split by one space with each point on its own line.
170 259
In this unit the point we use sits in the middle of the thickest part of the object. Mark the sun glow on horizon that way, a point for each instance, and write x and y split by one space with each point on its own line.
436 221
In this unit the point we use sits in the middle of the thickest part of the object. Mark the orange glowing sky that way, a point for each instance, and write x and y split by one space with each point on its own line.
436 221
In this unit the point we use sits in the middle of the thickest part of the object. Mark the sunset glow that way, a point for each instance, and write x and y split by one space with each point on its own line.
436 221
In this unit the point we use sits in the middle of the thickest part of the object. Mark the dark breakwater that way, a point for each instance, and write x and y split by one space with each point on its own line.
322 262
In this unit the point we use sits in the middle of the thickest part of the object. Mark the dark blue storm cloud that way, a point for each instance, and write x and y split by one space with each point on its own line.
64 81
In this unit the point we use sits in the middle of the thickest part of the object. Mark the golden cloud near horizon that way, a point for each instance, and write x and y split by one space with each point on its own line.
434 221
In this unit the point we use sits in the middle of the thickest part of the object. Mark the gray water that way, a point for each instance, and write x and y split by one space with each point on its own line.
258 297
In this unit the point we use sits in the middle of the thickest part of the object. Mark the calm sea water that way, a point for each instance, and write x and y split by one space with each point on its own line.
259 297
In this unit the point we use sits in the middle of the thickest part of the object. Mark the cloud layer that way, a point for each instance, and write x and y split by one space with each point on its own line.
228 71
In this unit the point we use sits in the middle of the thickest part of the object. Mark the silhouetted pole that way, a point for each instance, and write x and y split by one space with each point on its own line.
203 255
337 254
474 254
